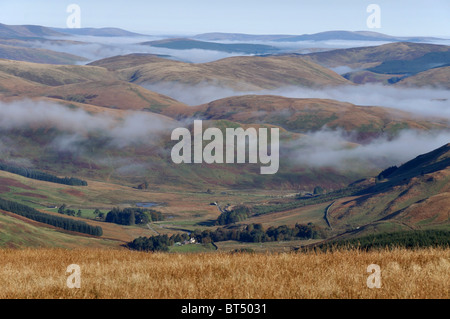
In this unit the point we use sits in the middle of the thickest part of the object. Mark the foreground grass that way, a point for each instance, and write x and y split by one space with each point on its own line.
119 273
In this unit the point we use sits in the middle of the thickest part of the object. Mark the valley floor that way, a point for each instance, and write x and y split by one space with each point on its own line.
123 274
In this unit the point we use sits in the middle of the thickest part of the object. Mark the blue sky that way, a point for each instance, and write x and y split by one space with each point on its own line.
398 17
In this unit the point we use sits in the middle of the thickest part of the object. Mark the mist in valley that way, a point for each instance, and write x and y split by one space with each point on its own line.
331 149
77 129
324 148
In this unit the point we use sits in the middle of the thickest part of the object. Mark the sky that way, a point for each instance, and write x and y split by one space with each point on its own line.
397 17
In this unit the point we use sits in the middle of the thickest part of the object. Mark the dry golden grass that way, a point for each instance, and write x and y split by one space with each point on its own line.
41 273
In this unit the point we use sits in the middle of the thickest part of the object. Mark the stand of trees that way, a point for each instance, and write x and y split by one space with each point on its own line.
255 233
35 174
57 221
69 212
239 213
154 243
133 216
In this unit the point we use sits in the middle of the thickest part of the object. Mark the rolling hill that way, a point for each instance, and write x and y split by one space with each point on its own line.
367 57
240 73
36 49
436 77
114 94
305 115
365 76
37 31
386 63
27 31
85 84
38 55
420 64
16 43
21 233
104 87
53 75
269 72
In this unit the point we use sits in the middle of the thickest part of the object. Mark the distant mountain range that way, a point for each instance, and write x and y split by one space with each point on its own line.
321 36
98 32
12 31
36 31
392 63
26 31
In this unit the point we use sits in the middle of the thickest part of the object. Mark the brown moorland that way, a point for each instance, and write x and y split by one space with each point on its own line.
303 115
435 78
367 57
239 73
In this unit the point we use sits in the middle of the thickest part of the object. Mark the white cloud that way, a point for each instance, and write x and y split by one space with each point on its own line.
76 125
327 148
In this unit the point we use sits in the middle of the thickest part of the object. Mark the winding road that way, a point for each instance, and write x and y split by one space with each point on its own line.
327 210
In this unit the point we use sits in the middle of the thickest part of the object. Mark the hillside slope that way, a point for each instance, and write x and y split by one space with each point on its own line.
304 115
416 195
38 55
21 232
366 57
239 73
436 78
386 63
78 83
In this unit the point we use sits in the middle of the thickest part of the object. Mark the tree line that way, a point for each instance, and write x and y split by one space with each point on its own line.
250 233
404 239
256 233
133 216
42 176
57 221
